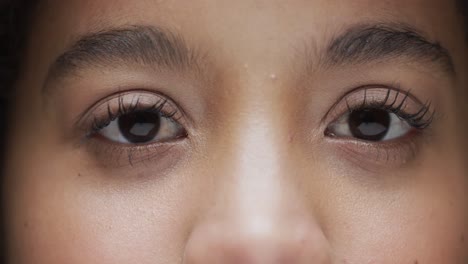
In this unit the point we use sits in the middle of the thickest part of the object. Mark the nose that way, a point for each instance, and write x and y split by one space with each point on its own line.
257 218
257 240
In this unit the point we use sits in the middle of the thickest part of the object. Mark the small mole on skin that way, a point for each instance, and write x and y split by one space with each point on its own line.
25 224
416 262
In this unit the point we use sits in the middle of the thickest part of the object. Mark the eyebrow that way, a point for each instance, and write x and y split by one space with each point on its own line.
370 43
145 45
154 46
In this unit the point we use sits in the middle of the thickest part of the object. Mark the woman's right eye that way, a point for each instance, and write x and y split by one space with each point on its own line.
142 127
132 126
135 118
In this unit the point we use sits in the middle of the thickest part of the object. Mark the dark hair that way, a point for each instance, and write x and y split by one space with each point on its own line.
14 19
463 7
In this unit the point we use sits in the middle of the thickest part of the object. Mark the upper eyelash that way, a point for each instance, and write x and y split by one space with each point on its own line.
421 119
122 109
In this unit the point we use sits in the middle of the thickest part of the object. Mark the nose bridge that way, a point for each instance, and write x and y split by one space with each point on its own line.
256 188
252 171
253 188
257 167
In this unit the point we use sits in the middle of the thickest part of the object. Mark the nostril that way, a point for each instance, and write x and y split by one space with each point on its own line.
212 243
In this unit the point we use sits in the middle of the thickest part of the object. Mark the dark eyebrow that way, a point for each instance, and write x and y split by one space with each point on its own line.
367 43
145 45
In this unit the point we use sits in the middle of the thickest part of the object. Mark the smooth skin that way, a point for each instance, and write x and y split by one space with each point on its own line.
256 180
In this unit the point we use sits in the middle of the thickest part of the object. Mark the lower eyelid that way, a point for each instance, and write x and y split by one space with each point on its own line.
376 156
114 156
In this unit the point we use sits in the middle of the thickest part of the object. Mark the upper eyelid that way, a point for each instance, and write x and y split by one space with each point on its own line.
394 88
111 96
82 121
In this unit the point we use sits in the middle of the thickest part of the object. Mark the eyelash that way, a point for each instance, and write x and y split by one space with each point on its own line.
420 120
395 101
157 108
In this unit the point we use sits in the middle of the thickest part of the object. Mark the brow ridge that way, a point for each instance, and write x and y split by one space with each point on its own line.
370 42
146 45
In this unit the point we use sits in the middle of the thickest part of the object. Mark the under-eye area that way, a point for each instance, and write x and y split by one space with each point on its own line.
139 124
379 124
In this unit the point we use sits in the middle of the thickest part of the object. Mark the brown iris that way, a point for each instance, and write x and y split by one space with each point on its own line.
139 127
369 124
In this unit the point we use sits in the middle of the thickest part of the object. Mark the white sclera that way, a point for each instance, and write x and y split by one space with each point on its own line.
397 127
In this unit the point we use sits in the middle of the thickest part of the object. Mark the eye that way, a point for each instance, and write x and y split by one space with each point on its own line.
134 118
375 128
142 127
378 114
370 124
134 126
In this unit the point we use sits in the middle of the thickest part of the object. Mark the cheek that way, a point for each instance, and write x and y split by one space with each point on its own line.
417 225
70 217
406 234
64 215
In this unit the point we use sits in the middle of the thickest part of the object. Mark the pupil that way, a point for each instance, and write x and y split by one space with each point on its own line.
139 127
369 124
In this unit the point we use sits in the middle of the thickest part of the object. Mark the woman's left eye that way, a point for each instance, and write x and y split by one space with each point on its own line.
368 124
141 127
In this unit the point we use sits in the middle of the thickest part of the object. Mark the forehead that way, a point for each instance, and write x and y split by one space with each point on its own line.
243 26
248 15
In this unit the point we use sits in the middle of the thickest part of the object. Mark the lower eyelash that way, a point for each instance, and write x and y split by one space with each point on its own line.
111 156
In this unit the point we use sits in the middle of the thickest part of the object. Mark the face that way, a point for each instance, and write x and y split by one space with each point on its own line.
240 132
